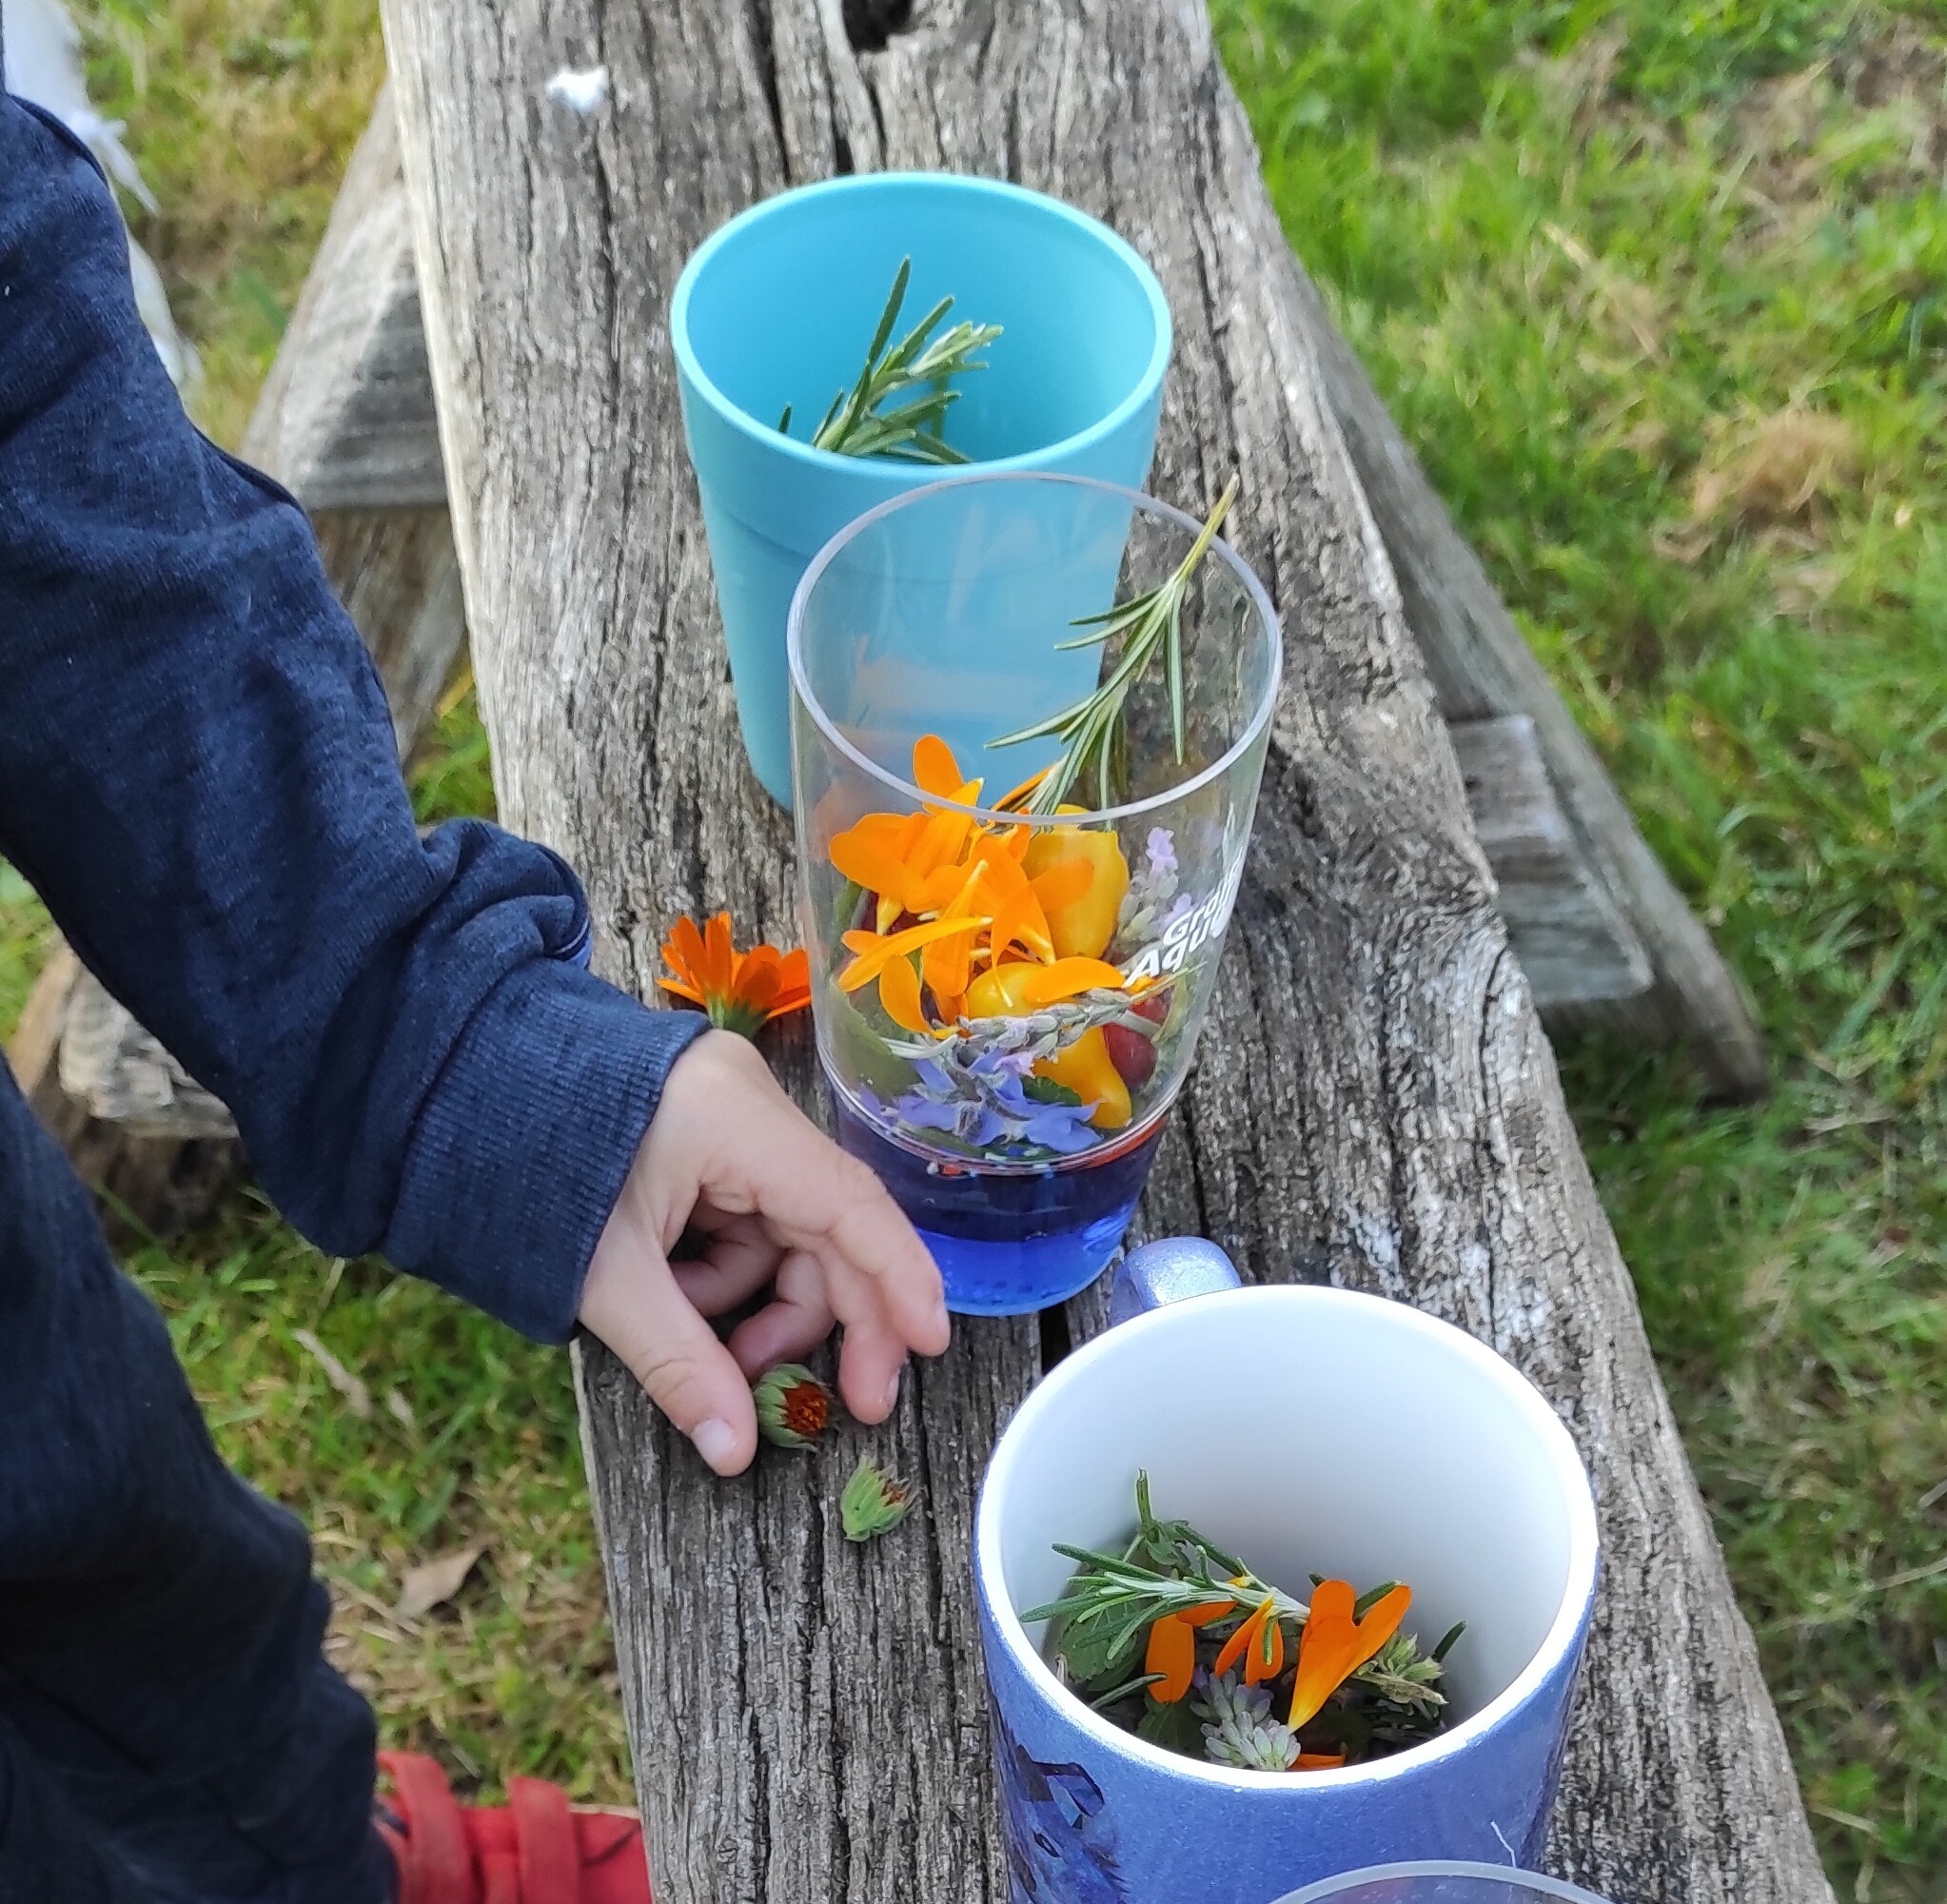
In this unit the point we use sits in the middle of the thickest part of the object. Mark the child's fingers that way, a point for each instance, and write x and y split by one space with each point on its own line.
741 1257
631 1300
726 1134
789 1328
869 1366
817 1198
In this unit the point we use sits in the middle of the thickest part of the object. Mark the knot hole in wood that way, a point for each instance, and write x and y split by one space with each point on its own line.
868 23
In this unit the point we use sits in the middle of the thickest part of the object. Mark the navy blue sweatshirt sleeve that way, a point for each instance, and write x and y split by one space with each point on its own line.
197 772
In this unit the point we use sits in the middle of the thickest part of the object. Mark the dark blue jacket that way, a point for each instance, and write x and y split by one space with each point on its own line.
197 773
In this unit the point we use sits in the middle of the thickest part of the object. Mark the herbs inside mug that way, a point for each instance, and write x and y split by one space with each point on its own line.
1184 1645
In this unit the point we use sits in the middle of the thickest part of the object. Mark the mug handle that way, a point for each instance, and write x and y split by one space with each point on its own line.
1171 1269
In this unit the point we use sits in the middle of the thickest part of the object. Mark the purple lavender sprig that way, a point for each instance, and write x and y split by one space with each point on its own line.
1152 898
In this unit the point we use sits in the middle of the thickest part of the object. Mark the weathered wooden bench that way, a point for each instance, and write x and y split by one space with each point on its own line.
1600 932
347 419
1375 1104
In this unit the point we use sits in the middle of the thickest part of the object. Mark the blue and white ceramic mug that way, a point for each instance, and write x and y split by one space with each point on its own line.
1308 1430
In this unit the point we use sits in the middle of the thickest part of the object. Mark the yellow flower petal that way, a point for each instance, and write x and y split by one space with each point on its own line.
899 996
1068 978
874 951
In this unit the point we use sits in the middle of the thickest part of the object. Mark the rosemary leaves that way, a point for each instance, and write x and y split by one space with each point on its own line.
1183 1645
898 407
1091 729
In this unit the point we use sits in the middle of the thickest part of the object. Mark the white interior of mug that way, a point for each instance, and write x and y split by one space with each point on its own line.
1310 1430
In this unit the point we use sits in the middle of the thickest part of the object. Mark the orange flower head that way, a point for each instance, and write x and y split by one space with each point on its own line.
740 993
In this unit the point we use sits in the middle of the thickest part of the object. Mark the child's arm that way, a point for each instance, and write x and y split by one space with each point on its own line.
197 772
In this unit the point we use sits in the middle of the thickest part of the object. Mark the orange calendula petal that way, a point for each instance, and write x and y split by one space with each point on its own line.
1015 796
948 962
939 889
1235 1647
757 977
940 843
1318 1762
947 967
1264 1659
1381 1622
1068 978
886 831
1063 883
719 960
871 865
874 951
683 949
1171 1652
935 770
1326 1649
899 995
794 984
1006 927
1202 1615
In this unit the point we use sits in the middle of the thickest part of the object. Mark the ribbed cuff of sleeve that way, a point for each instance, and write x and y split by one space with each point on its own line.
523 1145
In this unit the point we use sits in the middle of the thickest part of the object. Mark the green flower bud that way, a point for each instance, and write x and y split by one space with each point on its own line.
794 1406
873 1502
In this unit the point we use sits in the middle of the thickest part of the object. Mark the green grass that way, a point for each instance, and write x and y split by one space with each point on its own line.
1655 289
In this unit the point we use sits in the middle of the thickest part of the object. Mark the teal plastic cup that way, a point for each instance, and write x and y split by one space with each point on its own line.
777 306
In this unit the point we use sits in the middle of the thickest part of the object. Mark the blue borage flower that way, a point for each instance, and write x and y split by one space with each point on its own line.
981 1098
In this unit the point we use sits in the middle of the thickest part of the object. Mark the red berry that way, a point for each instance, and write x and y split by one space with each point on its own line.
1134 1055
1155 1006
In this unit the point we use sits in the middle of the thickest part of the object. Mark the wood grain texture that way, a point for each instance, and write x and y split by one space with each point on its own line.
1571 937
1376 1104
1573 943
345 419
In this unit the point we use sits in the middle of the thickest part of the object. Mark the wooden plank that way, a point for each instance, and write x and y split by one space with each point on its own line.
346 418
1481 668
397 574
165 1182
1572 943
1375 1102
368 430
345 422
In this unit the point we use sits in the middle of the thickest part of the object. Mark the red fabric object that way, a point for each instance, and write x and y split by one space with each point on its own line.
534 1849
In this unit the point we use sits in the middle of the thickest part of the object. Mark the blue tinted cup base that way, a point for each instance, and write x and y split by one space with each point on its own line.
1007 1242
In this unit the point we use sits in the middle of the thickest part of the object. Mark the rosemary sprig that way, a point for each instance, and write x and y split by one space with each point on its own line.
1102 1640
1091 730
871 418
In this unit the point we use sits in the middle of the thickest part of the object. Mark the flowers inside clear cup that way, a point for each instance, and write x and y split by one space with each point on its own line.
1029 725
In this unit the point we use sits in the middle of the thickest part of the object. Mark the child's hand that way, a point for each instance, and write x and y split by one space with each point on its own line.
729 1154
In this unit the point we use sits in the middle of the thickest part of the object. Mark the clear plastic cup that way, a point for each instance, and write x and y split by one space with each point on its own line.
1440 1884
1009 1079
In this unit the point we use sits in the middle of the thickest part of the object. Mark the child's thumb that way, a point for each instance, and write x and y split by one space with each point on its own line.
631 1301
